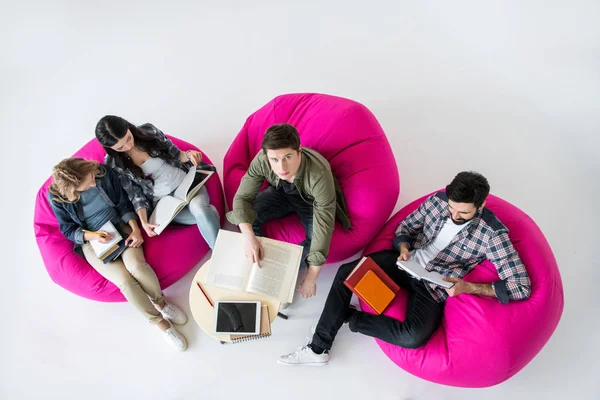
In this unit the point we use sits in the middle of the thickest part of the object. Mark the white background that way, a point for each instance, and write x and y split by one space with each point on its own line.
510 89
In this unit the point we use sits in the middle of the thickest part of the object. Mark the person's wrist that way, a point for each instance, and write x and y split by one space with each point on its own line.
470 287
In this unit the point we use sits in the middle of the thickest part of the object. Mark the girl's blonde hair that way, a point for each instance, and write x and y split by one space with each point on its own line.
69 174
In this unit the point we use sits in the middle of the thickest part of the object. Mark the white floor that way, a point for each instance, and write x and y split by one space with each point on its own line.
510 89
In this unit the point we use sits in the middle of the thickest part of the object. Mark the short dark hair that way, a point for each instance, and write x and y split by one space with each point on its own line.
281 136
468 187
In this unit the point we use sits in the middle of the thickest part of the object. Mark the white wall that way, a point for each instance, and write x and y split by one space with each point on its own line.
507 88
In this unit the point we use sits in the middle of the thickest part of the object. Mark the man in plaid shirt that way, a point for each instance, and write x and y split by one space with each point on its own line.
450 233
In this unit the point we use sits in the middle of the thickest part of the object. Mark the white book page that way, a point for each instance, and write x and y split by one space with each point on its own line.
276 277
229 267
166 209
416 270
101 248
185 184
199 181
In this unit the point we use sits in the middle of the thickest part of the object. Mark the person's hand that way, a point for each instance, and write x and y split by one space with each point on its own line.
135 239
149 228
253 249
308 288
194 156
459 287
101 236
404 253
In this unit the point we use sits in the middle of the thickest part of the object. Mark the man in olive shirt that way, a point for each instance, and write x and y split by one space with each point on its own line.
300 181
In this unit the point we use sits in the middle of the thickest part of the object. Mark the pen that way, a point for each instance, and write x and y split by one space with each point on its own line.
205 295
102 235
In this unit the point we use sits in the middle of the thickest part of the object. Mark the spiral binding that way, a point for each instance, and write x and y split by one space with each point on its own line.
251 337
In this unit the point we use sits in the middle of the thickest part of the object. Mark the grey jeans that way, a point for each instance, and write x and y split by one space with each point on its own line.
199 211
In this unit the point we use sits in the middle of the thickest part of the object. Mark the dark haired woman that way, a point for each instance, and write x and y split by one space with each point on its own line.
150 167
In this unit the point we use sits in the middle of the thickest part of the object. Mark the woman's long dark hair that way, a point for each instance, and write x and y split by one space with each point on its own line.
110 129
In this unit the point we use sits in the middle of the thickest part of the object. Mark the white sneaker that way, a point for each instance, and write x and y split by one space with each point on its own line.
174 314
304 356
174 338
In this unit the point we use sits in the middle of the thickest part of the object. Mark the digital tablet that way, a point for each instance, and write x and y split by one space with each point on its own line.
237 317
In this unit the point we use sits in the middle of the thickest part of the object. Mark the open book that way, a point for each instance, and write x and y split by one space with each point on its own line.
276 276
113 248
416 270
169 206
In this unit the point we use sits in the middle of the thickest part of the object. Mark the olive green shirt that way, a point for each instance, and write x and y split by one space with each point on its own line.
314 182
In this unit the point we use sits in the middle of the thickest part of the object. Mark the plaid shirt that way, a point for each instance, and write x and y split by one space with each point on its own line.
140 191
485 237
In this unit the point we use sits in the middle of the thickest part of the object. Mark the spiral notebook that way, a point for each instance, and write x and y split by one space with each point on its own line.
265 328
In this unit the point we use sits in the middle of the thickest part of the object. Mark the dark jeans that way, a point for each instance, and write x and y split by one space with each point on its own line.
274 204
423 313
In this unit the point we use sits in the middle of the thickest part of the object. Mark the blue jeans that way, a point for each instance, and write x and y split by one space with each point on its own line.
199 211
274 204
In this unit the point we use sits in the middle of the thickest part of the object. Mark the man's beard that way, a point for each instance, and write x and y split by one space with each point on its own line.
462 221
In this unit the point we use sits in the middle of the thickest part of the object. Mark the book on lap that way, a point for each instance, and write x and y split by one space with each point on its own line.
112 249
169 206
372 285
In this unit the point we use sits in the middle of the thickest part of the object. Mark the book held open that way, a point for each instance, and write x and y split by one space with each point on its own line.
169 206
415 269
276 277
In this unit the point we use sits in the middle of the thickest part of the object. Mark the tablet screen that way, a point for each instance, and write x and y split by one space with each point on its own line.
236 317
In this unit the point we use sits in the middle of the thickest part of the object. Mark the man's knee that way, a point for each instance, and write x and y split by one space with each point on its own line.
414 340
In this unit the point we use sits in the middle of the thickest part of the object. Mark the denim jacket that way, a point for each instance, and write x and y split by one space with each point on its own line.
140 191
70 215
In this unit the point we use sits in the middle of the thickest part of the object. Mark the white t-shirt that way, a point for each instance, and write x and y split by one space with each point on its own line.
166 177
443 239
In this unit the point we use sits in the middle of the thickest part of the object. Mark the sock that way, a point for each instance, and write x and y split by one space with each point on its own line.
316 349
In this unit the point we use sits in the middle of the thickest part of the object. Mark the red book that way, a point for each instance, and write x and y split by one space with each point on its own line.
357 274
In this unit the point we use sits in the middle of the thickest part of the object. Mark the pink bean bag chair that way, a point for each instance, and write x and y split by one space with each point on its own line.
348 135
482 342
172 254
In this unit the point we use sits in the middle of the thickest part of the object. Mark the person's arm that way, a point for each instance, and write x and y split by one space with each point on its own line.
122 203
135 238
324 207
146 225
152 130
242 214
250 185
514 283
69 228
410 227
134 192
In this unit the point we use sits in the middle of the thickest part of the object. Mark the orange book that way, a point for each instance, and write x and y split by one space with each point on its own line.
362 268
374 292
